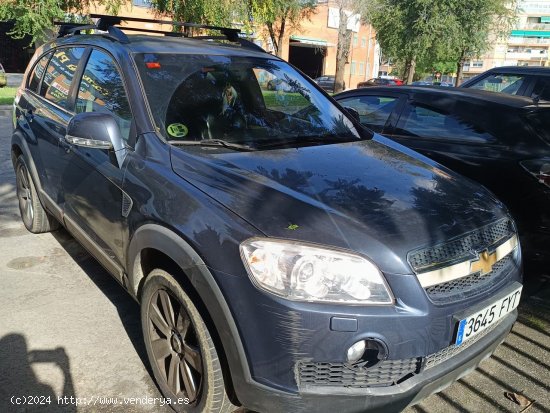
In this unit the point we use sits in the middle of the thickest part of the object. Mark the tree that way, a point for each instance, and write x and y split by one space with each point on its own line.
215 12
478 24
411 30
344 41
278 16
35 17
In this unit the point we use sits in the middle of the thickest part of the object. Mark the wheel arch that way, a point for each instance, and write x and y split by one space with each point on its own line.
155 246
20 147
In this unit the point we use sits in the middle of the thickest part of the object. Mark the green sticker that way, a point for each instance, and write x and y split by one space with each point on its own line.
177 130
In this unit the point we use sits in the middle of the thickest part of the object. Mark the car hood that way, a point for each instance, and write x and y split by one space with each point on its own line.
374 197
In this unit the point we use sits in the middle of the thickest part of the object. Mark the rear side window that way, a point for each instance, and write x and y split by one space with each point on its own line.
500 82
37 72
59 75
374 111
102 90
426 122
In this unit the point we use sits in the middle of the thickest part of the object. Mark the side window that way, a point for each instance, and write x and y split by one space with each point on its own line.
542 88
59 74
102 90
374 111
424 122
503 83
37 72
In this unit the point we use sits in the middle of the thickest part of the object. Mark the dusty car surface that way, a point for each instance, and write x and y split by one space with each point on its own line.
284 257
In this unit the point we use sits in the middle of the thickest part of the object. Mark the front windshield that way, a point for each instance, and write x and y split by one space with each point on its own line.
252 101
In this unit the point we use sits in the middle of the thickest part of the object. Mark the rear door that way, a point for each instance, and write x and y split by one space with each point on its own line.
48 112
92 178
470 137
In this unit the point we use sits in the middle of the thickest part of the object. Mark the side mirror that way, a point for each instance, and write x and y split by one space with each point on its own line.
353 112
96 130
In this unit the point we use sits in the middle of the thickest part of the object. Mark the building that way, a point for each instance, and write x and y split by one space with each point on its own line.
527 45
312 48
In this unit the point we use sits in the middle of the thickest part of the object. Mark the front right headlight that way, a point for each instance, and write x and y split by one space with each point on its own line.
302 272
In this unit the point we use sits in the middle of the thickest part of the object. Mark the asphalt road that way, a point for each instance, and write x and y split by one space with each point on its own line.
68 329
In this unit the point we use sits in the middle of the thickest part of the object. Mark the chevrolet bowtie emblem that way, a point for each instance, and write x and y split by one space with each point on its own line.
484 264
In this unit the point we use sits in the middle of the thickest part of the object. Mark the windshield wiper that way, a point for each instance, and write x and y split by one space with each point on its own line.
305 141
214 142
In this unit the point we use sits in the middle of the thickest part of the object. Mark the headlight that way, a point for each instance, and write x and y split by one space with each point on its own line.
307 273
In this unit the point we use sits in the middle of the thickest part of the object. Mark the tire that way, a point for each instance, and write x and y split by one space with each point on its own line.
36 219
181 344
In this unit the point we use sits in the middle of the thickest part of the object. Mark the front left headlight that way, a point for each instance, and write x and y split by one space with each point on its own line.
304 272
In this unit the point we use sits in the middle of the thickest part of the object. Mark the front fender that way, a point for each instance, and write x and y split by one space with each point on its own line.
171 244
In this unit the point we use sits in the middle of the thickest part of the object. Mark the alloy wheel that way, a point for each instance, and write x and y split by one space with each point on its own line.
175 345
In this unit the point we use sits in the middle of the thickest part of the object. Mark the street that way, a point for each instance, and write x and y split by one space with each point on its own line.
67 329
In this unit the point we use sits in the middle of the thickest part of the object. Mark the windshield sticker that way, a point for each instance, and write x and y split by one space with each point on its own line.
177 130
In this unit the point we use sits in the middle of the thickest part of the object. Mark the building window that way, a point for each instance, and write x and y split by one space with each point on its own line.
363 42
355 39
361 68
477 63
352 67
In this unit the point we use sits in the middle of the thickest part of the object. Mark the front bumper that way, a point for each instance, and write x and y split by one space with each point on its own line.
384 399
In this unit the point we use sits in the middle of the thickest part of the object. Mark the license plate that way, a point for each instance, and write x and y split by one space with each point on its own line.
477 322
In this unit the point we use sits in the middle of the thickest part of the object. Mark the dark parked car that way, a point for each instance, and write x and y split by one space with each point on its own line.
533 81
285 258
327 83
380 82
498 140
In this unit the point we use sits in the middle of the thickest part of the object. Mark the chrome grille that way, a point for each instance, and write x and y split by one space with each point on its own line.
385 373
472 284
462 248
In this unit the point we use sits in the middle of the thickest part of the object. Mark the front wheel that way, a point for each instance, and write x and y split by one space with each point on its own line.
180 348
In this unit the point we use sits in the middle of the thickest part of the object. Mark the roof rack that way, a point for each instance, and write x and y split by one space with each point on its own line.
112 25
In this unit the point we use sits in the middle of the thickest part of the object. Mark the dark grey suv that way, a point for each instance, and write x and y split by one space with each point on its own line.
285 258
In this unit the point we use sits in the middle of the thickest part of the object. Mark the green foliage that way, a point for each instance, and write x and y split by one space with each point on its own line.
218 12
430 33
35 17
278 16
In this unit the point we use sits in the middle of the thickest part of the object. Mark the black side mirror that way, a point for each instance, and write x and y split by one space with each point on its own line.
96 130
353 112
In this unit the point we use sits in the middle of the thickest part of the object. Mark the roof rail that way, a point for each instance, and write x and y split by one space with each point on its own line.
112 24
66 29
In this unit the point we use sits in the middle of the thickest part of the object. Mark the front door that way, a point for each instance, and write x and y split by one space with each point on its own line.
92 179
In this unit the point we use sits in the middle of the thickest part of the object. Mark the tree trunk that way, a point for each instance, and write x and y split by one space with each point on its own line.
411 70
407 69
273 37
342 51
460 69
281 37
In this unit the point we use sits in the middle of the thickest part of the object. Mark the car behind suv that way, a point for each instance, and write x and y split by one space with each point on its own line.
284 257
532 81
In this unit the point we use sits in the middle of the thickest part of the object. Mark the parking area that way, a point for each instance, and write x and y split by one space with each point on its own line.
68 330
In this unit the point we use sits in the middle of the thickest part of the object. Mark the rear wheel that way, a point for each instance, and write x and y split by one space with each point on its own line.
33 214
180 349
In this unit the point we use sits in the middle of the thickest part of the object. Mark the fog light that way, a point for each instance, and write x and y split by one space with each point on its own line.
356 351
